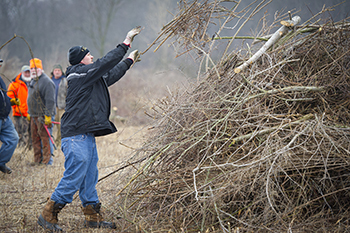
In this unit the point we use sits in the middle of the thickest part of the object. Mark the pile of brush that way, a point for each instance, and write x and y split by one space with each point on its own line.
263 149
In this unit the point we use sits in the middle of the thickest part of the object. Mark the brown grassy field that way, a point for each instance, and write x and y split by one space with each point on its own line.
24 192
260 149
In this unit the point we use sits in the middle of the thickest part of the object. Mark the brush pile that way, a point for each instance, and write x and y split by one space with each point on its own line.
265 149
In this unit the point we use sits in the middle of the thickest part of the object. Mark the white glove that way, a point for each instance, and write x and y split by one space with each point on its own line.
134 56
131 34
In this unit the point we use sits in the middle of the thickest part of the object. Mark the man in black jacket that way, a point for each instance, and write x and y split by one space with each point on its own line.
86 116
8 133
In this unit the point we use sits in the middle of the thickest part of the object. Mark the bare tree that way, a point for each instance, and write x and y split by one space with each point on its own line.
101 14
155 23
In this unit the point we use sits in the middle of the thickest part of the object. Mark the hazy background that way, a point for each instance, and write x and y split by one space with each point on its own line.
51 27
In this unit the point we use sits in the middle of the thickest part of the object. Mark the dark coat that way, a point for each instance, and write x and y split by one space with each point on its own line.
41 97
5 104
88 102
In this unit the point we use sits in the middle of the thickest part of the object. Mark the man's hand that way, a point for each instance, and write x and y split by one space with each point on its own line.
134 56
131 34
48 121
15 101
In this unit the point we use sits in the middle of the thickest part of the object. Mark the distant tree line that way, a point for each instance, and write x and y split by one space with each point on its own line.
51 27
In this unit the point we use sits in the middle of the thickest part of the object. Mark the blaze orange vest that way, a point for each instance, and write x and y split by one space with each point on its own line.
18 89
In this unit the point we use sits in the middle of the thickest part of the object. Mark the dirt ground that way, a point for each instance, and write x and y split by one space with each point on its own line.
23 193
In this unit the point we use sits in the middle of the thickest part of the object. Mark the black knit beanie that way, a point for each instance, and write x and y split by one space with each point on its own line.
76 54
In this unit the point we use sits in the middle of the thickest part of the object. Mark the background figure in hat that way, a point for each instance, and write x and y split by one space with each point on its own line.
8 134
86 116
60 80
41 107
18 88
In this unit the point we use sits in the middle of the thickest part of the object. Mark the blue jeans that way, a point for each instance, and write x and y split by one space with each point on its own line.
9 139
81 171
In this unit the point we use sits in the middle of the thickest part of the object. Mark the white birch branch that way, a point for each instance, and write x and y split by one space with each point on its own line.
274 38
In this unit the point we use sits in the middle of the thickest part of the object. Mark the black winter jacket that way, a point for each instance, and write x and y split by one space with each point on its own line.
88 101
5 104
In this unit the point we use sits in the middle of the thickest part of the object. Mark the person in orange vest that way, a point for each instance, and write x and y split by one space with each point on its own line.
18 88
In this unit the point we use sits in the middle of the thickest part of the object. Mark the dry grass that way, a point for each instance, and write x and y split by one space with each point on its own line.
24 192
265 150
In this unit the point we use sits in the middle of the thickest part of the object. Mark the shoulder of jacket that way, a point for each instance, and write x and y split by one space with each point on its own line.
45 77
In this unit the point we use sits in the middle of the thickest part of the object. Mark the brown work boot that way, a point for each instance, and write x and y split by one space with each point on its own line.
48 219
94 219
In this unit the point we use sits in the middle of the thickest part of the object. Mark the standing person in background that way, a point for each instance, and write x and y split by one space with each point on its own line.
8 134
41 107
18 88
61 85
86 116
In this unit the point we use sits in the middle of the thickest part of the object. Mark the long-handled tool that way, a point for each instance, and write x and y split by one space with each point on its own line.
48 133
